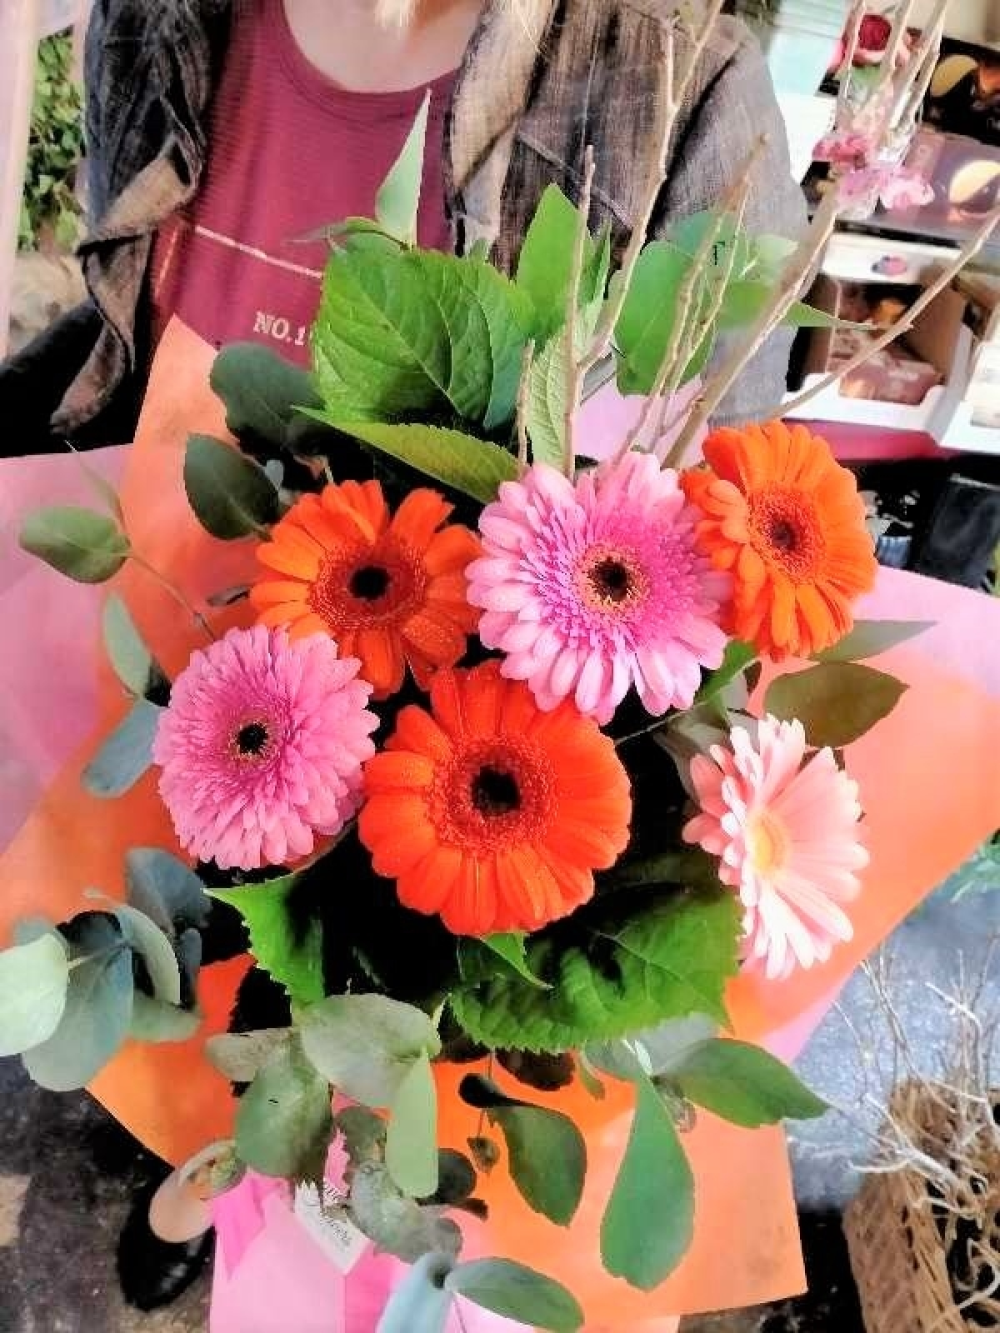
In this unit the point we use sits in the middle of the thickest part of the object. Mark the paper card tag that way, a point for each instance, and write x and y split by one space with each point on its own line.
334 1232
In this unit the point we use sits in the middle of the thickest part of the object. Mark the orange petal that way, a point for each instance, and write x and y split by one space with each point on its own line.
284 613
446 702
385 819
308 625
417 731
471 908
273 591
450 550
435 637
419 516
399 770
291 555
427 887
382 662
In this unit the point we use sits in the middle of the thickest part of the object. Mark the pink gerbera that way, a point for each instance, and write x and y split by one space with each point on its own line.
786 833
594 587
262 747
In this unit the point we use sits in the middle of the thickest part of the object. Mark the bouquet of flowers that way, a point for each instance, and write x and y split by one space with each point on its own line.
490 753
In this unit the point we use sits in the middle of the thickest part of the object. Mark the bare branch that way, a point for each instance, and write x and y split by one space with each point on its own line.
523 395
847 68
574 374
906 322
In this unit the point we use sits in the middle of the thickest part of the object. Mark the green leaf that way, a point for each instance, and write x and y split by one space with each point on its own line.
869 638
154 1021
421 1303
284 1123
364 1134
545 265
475 467
649 1222
744 1084
101 487
240 1056
411 332
398 201
663 1048
87 547
231 495
477 959
518 1293
33 982
98 1009
411 1151
156 951
132 661
365 1045
648 318
292 955
397 1224
614 970
127 753
546 1152
836 702
167 890
692 868
262 393
738 657
547 404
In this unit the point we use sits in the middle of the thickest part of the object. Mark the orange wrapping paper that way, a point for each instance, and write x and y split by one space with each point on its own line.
930 780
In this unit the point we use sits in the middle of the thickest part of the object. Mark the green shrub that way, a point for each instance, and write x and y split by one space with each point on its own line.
49 206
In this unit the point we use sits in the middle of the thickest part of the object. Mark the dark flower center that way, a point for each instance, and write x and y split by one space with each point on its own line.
369 583
784 535
495 792
251 740
611 580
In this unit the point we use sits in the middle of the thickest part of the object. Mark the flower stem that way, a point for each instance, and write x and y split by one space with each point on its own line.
658 725
176 594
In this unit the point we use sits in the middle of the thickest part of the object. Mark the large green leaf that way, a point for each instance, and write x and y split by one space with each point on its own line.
156 951
613 971
167 890
83 545
517 1292
292 954
33 982
240 1056
231 495
133 663
546 1152
98 1009
649 316
284 1123
743 1084
547 404
411 1149
365 1045
398 1224
836 702
475 467
479 959
655 1051
398 200
127 753
868 638
649 1222
421 1303
410 332
545 264
262 393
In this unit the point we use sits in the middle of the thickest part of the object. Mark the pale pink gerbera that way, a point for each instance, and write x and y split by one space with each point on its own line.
786 833
262 747
594 587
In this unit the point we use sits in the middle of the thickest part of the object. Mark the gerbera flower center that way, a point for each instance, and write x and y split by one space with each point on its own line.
767 843
610 579
785 529
251 740
381 585
494 795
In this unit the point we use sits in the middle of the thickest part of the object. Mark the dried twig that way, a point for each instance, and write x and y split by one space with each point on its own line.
523 396
847 68
926 64
905 323
574 373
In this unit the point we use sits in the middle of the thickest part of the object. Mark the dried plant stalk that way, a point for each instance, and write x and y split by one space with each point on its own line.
574 374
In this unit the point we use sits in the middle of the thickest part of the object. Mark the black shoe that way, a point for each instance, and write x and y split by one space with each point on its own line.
154 1272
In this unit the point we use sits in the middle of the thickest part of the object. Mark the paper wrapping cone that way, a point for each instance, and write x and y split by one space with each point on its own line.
930 778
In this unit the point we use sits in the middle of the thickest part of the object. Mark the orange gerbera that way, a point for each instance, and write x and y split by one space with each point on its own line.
390 589
785 519
489 811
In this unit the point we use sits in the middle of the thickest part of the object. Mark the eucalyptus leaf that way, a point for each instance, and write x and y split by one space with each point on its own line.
365 1045
85 546
364 1134
546 1152
421 1303
743 1084
475 467
284 1123
398 200
33 981
126 755
262 392
517 1292
231 495
156 951
869 638
166 889
397 1224
411 1151
240 1056
836 702
98 1009
649 1222
292 956
154 1021
664 1048
133 663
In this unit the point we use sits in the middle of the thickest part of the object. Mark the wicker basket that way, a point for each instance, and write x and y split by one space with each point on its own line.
898 1253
